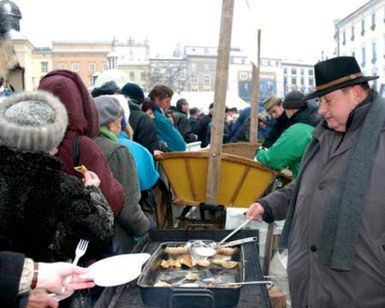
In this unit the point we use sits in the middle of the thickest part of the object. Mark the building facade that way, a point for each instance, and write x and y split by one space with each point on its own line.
201 66
362 34
170 71
88 59
298 76
42 64
133 58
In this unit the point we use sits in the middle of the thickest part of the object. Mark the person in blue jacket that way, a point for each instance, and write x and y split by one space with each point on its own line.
161 95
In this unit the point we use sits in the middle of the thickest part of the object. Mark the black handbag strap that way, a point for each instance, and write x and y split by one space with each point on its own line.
76 149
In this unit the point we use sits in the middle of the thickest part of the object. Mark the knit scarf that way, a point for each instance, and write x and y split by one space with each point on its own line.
344 216
109 134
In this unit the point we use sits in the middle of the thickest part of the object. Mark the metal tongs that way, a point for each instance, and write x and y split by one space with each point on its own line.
239 242
232 233
211 249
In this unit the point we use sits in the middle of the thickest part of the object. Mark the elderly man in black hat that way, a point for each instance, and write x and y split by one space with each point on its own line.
334 210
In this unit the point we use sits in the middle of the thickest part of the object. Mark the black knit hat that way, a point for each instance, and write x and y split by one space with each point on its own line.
337 73
294 100
134 92
108 88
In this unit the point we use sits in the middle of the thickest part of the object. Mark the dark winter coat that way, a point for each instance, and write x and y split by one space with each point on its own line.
184 127
83 118
144 130
278 128
202 130
11 267
45 212
312 283
194 124
122 165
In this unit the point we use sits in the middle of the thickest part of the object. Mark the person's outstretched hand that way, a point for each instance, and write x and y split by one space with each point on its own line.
255 212
53 277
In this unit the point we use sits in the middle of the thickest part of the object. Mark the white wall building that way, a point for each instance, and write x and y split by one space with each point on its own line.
362 35
298 76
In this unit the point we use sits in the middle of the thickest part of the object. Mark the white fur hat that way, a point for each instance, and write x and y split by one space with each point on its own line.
32 122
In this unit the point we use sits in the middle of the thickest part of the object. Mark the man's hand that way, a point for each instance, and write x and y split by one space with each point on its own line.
158 154
52 277
42 301
255 212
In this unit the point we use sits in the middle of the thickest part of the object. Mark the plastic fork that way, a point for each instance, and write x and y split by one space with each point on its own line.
80 250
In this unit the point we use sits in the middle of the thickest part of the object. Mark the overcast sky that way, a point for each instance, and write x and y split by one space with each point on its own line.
291 29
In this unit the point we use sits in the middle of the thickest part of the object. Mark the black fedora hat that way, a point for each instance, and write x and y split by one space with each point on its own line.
337 73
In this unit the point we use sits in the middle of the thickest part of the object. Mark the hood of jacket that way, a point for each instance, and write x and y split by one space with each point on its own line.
83 117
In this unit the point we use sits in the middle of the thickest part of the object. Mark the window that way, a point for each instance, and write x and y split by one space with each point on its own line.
343 38
285 81
194 78
285 70
294 81
75 67
207 89
294 71
92 67
311 82
373 21
374 52
310 72
302 81
132 76
62 66
302 71
142 76
362 27
207 79
352 37
44 67
363 57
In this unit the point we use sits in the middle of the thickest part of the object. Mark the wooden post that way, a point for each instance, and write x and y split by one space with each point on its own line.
221 80
255 96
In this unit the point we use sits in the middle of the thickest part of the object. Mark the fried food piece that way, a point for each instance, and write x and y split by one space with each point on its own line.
218 261
82 169
226 251
192 277
203 263
176 250
177 264
223 257
161 283
230 264
187 261
167 263
225 264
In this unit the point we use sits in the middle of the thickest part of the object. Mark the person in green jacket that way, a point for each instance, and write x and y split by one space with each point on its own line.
287 151
161 95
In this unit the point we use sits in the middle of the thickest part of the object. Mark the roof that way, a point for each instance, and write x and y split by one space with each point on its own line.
368 4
